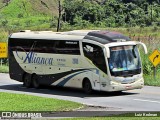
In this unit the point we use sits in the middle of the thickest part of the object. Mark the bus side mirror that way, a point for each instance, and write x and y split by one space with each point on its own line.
144 47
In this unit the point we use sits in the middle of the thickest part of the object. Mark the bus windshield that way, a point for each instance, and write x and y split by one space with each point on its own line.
124 61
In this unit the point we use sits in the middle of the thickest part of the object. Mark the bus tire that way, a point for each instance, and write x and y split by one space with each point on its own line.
35 82
87 87
27 80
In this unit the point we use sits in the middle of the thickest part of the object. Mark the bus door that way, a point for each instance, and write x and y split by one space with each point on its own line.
96 57
99 61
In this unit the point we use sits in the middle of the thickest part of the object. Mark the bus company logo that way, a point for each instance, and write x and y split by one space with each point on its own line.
32 57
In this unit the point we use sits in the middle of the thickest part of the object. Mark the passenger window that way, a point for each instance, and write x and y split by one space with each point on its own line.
96 55
68 47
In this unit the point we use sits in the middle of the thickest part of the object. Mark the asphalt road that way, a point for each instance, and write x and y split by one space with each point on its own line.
146 99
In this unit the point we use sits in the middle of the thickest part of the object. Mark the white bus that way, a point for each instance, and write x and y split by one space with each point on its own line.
91 60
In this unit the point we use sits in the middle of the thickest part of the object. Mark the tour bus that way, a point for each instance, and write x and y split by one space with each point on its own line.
90 60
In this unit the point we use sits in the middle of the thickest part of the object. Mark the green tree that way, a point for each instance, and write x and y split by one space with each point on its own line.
111 12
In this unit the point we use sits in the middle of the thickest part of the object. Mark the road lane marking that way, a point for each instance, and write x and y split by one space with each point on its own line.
147 100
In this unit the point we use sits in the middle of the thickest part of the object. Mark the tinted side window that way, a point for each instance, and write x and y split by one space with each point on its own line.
68 47
46 46
96 55
17 44
34 45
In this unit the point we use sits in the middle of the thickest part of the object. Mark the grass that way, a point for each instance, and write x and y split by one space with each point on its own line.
3 35
28 14
18 7
4 69
127 116
25 8
22 102
114 118
151 81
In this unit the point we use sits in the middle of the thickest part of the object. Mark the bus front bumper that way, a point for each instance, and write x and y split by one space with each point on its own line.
123 87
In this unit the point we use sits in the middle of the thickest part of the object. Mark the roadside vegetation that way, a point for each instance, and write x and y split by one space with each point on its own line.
4 69
114 118
138 19
151 81
22 14
23 102
127 116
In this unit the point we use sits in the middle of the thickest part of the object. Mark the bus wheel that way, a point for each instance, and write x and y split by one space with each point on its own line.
87 86
35 82
27 80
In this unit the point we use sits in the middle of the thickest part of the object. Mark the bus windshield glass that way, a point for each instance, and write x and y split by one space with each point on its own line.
124 61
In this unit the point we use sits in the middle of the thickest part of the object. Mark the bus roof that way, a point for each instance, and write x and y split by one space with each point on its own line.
78 32
106 37
101 36
46 35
